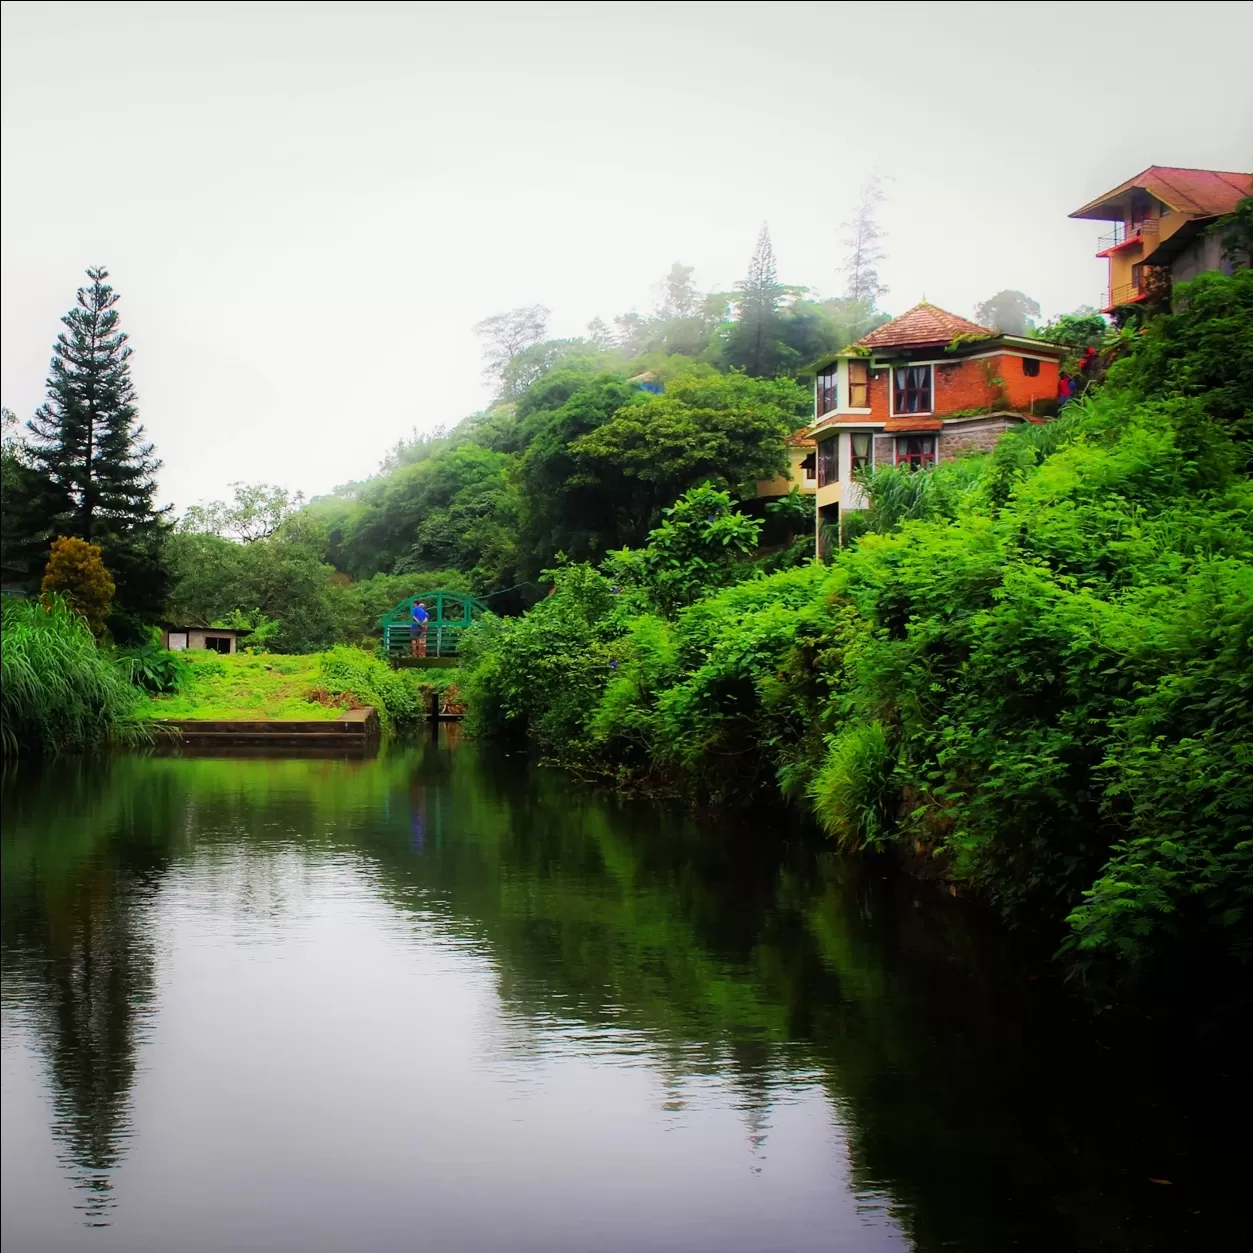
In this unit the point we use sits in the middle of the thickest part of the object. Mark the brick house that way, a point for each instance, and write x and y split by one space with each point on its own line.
926 387
1160 229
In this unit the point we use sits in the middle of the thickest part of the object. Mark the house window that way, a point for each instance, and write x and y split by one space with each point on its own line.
828 461
1030 367
827 393
218 643
858 384
915 451
808 467
863 450
912 385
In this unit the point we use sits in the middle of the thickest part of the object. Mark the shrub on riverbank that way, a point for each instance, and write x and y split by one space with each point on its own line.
59 690
1034 677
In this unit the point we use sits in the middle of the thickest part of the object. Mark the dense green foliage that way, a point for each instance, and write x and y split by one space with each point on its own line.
1031 674
59 691
589 440
156 669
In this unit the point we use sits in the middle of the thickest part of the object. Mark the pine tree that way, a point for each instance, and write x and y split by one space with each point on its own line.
753 344
97 473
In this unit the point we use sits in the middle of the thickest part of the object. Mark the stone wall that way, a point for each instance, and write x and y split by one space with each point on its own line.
978 437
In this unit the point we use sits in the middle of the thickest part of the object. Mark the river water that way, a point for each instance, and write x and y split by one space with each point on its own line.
440 1001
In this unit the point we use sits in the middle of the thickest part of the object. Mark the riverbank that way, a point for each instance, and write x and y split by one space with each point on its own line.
317 686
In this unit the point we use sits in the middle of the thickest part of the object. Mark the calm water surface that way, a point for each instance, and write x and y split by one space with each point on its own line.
435 1001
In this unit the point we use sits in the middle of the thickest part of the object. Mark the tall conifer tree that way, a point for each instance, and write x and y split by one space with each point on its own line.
97 473
754 343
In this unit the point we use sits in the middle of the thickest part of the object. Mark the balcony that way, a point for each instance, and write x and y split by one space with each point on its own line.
1124 294
1122 236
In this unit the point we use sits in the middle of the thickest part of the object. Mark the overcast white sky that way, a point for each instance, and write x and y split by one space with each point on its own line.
306 207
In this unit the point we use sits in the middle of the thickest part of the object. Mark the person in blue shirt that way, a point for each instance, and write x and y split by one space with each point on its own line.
417 629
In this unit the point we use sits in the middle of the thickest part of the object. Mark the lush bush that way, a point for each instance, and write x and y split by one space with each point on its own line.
75 572
1032 668
346 671
156 669
59 690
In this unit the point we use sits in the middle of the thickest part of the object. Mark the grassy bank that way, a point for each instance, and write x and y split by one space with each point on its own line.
310 686
244 687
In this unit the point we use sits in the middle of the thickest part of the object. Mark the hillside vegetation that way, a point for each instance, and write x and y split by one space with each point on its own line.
1031 677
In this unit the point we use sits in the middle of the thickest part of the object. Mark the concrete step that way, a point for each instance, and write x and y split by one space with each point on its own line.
276 726
272 740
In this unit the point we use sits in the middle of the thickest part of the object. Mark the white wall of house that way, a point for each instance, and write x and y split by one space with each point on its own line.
195 638
844 492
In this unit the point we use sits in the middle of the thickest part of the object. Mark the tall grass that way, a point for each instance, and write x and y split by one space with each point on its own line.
59 690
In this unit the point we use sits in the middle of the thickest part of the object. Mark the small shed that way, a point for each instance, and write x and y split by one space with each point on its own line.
214 639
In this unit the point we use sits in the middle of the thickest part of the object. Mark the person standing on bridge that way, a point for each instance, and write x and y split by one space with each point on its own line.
417 629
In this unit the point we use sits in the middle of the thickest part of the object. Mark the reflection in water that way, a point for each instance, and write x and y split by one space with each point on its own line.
79 961
432 1000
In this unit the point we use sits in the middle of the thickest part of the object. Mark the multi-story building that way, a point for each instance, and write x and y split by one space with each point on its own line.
923 388
1160 229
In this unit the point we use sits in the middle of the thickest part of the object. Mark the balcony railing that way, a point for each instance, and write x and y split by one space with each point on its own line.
1123 234
1123 294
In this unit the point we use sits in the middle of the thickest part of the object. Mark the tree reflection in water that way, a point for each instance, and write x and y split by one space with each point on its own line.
80 878
974 1106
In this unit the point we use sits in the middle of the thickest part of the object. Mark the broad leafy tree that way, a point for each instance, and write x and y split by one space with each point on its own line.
505 335
728 430
255 512
1010 312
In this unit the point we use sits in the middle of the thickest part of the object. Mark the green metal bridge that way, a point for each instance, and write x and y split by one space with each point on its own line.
451 613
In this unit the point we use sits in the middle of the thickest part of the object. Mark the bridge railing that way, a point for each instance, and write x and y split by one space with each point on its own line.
441 640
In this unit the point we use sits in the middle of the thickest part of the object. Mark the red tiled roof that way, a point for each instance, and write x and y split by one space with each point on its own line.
923 324
913 424
1201 192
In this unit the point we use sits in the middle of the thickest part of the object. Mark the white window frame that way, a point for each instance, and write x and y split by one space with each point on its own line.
835 368
915 413
852 469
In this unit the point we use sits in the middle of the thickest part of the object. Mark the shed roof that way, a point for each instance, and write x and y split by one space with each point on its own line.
1202 192
200 626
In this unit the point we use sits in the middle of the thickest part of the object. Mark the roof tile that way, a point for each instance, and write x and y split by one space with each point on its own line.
923 324
1201 192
